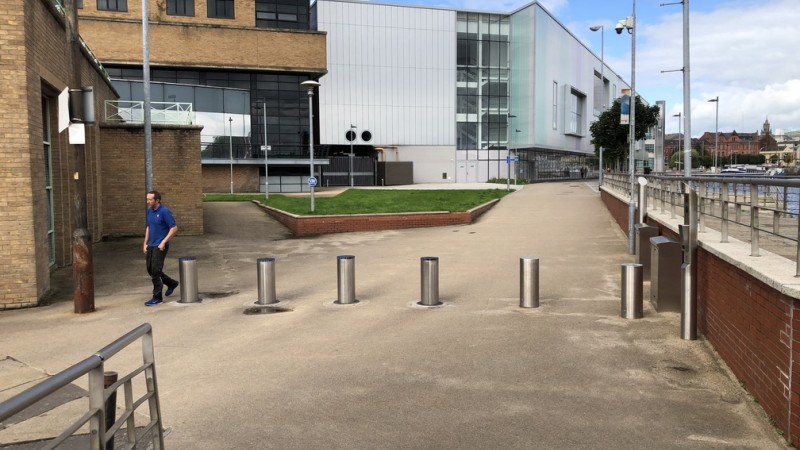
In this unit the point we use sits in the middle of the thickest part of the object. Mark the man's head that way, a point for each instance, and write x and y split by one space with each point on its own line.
153 199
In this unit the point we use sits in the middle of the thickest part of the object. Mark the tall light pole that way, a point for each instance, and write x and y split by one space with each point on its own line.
312 182
266 156
716 131
629 23
352 127
679 139
602 89
230 145
687 101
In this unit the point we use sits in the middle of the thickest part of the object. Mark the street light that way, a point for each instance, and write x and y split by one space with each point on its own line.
353 135
266 149
629 24
602 89
716 131
230 142
679 140
312 182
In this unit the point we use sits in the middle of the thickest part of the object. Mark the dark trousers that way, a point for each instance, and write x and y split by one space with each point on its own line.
155 267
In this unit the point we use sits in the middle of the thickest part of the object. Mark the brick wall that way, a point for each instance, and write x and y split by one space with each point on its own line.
38 63
217 178
754 327
197 45
176 174
314 225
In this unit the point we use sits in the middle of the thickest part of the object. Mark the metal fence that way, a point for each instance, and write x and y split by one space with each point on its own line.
160 112
102 433
760 210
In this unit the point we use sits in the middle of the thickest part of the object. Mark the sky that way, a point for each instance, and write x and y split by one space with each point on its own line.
742 51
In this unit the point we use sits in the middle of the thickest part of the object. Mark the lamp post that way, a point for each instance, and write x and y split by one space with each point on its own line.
310 85
352 127
716 131
266 156
629 23
602 89
678 161
230 146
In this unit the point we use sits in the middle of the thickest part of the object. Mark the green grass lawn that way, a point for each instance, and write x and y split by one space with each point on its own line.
369 201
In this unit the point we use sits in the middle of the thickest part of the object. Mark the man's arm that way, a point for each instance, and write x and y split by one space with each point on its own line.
169 235
146 236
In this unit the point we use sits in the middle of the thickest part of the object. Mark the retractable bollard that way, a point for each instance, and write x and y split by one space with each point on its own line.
429 295
346 275
528 282
688 305
632 307
265 267
187 269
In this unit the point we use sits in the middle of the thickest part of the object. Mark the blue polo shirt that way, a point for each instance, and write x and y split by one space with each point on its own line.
159 221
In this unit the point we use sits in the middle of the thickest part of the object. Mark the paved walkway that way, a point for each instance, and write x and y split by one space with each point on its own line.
477 373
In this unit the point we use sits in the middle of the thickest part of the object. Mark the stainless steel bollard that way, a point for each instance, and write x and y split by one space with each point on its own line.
688 305
265 269
632 307
187 270
346 275
529 282
429 295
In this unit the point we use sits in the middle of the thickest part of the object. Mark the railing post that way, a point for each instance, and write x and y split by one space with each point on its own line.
724 195
754 222
109 378
97 424
703 191
149 359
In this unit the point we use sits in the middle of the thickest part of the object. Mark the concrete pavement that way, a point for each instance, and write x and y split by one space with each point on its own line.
478 372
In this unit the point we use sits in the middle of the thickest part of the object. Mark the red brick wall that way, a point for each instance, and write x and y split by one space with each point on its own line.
752 326
176 174
314 225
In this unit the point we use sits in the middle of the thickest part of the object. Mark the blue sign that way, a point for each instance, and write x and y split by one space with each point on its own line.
508 159
516 158
312 181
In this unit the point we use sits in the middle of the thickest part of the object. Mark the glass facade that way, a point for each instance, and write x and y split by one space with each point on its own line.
482 81
230 104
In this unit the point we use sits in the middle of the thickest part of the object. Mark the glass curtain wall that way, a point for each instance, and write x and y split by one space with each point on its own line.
482 82
218 97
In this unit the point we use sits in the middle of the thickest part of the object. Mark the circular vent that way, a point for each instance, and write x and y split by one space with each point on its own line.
366 136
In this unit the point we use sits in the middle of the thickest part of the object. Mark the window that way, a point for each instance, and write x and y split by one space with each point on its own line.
222 9
576 102
286 14
555 105
180 7
112 5
48 180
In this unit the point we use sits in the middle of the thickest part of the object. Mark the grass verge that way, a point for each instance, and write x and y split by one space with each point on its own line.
372 201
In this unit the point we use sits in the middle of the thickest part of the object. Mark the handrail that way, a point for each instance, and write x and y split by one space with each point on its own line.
762 206
93 367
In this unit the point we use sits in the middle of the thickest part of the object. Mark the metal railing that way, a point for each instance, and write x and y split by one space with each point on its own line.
762 211
160 112
100 436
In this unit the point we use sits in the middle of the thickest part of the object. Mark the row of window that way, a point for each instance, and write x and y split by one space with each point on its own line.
287 14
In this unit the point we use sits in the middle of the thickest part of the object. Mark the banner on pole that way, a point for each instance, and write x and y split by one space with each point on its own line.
625 107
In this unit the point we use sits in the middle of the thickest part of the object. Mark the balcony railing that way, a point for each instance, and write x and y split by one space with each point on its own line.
762 211
123 111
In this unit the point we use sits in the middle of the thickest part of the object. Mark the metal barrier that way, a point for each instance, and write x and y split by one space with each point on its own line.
529 282
187 270
429 281
632 292
265 269
759 210
100 434
346 279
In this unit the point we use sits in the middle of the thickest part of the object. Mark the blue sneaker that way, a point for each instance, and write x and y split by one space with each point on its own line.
153 301
170 290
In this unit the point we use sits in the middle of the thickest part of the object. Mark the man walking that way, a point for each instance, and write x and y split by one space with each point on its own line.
160 228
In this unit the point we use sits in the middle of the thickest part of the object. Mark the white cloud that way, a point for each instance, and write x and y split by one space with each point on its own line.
743 52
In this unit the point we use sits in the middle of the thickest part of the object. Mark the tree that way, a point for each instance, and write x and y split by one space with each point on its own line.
608 133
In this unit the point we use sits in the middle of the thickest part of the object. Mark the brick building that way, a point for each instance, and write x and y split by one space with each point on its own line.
38 164
231 61
739 143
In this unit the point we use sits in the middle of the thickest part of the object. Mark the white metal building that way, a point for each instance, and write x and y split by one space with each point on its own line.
457 91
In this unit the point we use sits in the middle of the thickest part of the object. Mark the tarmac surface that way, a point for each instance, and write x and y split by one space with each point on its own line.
478 372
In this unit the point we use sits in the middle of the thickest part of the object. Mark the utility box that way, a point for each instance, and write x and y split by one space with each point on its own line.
665 274
394 173
643 234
